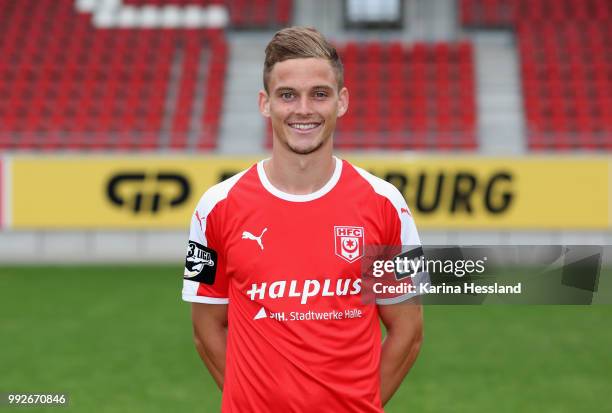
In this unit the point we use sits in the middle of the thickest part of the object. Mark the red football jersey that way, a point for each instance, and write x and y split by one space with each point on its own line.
300 338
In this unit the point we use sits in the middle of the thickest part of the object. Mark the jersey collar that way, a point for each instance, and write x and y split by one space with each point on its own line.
299 198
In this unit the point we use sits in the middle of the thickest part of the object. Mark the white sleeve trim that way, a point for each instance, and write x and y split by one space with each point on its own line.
208 201
409 234
205 300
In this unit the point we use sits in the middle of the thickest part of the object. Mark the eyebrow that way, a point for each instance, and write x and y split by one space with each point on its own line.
283 89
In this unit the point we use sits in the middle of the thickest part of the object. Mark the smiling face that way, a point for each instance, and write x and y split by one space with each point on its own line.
303 104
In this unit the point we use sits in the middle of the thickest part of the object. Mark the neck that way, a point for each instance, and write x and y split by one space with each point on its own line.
300 174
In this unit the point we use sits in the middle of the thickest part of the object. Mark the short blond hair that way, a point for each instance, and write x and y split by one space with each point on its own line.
299 43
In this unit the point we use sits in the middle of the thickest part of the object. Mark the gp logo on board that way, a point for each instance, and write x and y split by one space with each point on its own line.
349 243
142 192
200 264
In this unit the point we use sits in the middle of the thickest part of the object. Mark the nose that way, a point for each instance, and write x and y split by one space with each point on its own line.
303 106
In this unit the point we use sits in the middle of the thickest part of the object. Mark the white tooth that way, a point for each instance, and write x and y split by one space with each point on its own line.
304 126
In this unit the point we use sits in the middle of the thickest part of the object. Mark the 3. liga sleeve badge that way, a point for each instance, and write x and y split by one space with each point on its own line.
349 243
200 264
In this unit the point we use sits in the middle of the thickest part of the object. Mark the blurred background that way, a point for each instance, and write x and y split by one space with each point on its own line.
493 117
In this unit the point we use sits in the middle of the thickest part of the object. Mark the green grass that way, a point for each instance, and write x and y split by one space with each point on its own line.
118 339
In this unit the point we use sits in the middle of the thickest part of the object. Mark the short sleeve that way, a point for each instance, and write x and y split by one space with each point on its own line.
204 278
401 232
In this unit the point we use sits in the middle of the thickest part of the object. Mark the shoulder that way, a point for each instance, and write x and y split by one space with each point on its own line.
394 205
379 186
219 192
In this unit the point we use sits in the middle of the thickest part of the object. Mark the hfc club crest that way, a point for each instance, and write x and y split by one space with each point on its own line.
349 243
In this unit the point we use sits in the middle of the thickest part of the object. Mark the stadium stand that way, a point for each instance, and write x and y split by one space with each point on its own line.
565 48
259 13
487 13
409 96
244 14
68 85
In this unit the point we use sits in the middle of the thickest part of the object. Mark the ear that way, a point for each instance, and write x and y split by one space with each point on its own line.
264 103
343 101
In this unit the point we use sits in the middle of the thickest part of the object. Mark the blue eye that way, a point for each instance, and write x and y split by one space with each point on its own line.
286 95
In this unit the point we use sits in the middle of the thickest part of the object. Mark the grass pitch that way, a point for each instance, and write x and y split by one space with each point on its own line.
118 339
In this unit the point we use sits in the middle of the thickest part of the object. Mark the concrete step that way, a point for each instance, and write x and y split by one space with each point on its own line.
498 119
499 101
242 128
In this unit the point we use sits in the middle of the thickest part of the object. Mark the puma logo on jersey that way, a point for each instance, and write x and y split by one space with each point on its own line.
248 235
405 211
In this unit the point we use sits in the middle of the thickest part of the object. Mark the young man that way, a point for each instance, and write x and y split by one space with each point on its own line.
274 259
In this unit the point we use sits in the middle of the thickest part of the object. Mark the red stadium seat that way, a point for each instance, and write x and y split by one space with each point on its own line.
564 47
71 85
408 96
